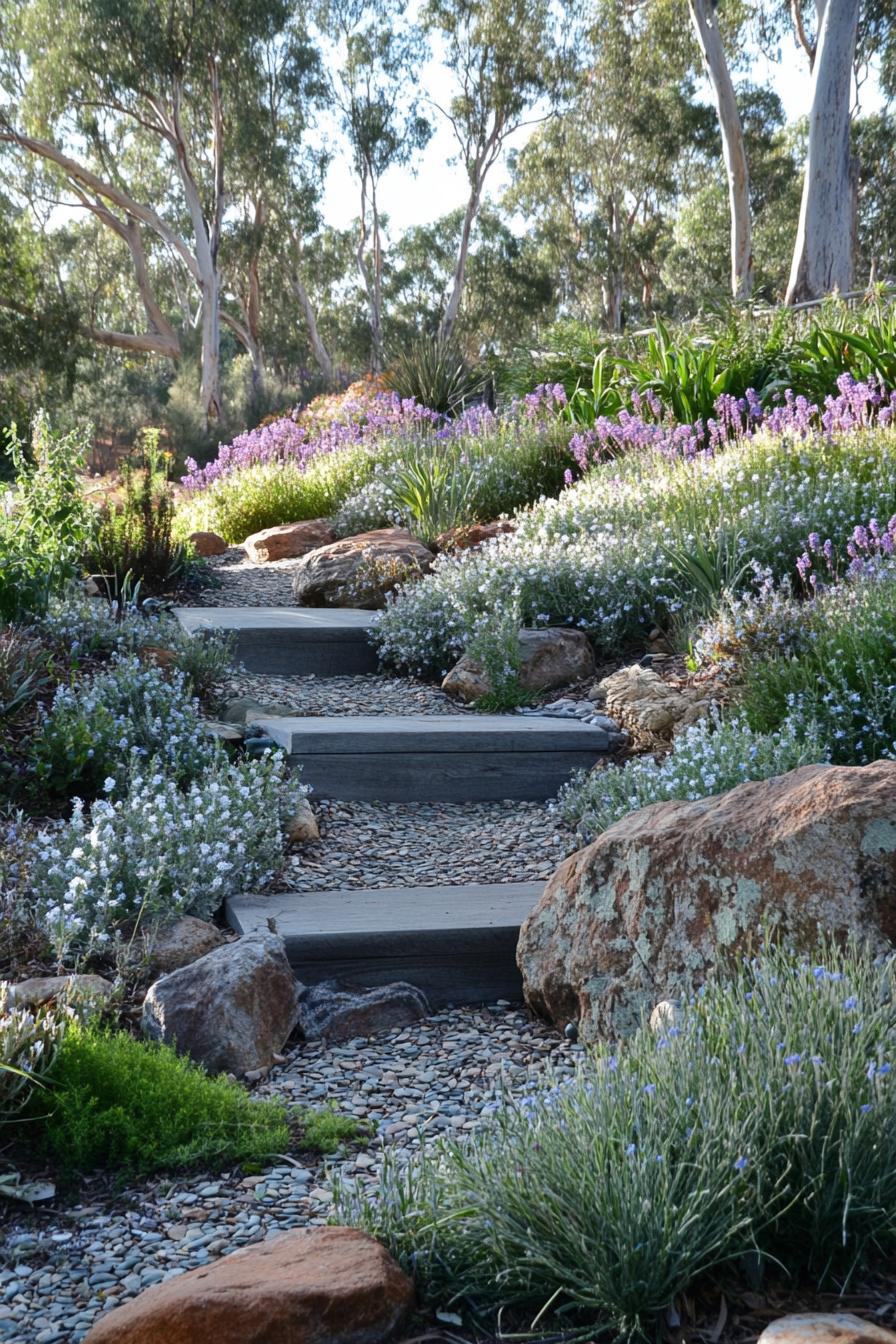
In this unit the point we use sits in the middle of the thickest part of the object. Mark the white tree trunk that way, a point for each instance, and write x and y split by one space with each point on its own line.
703 17
824 254
319 349
460 269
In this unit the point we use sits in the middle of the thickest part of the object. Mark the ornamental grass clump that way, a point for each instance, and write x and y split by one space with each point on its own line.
707 758
758 1129
151 850
29 1040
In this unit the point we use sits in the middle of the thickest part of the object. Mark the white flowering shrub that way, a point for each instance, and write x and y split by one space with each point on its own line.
605 555
80 628
101 727
28 1043
370 506
150 850
708 758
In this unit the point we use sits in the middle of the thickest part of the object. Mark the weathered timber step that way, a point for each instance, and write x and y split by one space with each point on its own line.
457 944
297 641
429 758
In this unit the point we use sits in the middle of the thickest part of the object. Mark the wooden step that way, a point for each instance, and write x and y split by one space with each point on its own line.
457 944
291 641
433 758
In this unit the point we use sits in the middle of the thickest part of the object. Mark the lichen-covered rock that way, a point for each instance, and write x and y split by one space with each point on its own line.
651 708
334 576
549 658
644 913
232 1010
825 1327
288 541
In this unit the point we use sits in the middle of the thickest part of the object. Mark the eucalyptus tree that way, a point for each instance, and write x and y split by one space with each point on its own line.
98 90
598 180
375 91
507 65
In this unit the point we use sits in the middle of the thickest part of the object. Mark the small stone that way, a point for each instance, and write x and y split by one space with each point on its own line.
42 990
302 828
207 544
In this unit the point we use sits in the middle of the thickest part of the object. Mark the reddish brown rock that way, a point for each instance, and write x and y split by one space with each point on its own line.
823 1327
333 575
288 542
643 913
317 1285
549 658
476 534
207 544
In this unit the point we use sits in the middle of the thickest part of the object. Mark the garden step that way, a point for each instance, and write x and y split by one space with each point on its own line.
429 758
297 641
457 944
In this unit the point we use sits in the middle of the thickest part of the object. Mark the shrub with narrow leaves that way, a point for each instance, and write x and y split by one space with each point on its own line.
759 1123
29 1039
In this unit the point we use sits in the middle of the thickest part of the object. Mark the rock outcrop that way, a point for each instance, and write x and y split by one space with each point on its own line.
644 912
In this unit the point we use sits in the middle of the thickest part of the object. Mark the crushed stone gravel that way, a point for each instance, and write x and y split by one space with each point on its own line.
62 1268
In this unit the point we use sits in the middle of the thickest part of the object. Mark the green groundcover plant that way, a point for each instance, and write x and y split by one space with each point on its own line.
120 1103
758 1129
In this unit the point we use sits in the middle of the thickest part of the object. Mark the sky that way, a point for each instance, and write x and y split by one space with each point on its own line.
438 187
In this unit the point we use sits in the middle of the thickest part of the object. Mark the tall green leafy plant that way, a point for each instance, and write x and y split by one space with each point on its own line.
44 520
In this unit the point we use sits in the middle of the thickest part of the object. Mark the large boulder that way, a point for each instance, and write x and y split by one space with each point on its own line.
232 1010
332 575
336 1012
289 541
644 913
314 1285
555 656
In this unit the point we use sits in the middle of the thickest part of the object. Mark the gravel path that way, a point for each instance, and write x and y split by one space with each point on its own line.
343 696
244 584
428 844
62 1268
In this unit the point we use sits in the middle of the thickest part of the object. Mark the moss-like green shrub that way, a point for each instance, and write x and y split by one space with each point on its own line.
119 1103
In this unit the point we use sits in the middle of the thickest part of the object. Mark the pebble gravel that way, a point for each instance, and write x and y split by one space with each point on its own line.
59 1270
239 582
366 845
344 696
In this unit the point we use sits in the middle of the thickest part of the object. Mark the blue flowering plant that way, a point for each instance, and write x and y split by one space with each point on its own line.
706 758
756 1124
